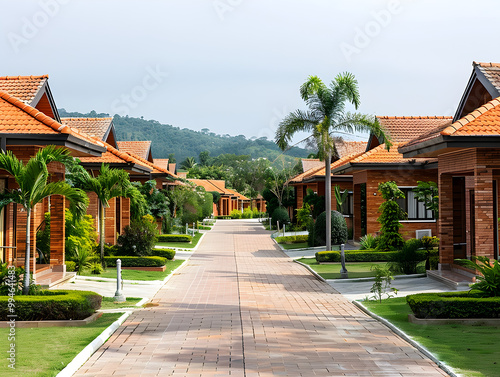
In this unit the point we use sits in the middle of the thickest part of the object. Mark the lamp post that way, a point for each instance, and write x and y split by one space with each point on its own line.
119 297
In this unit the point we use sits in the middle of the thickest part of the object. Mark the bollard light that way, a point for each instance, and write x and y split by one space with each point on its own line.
343 271
119 297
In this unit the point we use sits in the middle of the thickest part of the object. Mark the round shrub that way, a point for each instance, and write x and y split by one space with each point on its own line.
280 214
164 253
235 214
338 229
247 214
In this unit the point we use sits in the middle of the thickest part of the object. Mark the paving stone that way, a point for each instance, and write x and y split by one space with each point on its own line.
241 307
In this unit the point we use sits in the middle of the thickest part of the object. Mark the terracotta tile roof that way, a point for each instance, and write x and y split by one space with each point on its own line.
24 88
139 148
217 185
491 71
237 194
161 162
380 155
403 129
309 163
20 118
336 164
308 173
345 148
156 169
97 127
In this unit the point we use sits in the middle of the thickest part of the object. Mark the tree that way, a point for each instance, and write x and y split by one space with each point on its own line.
428 193
327 116
171 157
188 163
391 214
109 184
205 159
34 187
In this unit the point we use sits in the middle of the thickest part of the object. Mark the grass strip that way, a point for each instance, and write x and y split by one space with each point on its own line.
182 245
109 303
472 351
138 275
332 271
44 352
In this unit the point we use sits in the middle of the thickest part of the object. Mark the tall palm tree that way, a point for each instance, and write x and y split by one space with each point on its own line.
32 179
325 118
110 183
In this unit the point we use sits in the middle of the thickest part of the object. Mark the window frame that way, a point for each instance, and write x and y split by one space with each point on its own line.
419 206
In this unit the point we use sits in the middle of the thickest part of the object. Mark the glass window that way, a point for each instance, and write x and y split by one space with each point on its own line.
413 207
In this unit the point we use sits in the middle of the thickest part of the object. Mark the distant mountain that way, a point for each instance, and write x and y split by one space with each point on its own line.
167 139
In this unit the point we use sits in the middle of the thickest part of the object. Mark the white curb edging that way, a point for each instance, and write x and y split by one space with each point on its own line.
88 351
407 338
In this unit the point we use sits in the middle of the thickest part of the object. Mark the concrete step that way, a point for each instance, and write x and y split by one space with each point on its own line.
42 269
54 279
451 279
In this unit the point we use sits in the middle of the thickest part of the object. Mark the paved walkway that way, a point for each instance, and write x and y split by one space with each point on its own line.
249 313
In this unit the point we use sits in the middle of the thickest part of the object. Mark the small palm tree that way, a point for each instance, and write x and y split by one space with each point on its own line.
325 118
110 183
188 163
34 187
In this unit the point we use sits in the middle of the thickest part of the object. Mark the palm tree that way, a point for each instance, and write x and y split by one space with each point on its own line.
32 179
326 117
110 183
188 163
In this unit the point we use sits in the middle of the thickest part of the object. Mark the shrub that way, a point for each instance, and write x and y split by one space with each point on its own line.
81 257
489 282
109 250
407 259
338 229
139 237
95 268
52 305
311 239
304 216
175 238
368 241
235 214
280 214
70 266
355 256
429 243
128 261
292 239
255 213
391 213
454 305
247 213
164 253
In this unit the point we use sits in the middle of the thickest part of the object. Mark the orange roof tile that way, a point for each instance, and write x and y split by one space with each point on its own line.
24 88
309 163
139 148
218 186
345 147
161 162
483 121
336 164
308 173
97 127
20 118
156 169
403 129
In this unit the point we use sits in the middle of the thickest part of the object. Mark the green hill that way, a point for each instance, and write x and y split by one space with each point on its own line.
167 139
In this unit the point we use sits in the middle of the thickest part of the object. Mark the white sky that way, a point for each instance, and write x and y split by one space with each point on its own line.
235 66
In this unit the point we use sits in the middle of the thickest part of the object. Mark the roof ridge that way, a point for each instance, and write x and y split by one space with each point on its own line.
148 163
32 77
85 118
455 126
415 117
486 65
38 115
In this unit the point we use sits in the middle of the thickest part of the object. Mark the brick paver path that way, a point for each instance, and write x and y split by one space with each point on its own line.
240 307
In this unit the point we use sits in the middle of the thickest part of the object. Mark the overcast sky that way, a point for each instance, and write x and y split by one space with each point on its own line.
235 66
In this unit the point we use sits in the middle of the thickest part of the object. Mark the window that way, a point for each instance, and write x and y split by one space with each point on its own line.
414 208
348 205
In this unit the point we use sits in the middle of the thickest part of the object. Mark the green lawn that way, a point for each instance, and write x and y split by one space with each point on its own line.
332 271
300 245
182 245
139 275
109 303
43 352
470 350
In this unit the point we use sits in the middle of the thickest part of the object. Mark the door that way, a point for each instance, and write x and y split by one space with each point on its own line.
459 219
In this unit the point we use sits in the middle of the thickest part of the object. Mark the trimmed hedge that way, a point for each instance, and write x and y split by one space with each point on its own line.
52 305
355 256
468 304
164 253
136 261
223 217
292 239
175 238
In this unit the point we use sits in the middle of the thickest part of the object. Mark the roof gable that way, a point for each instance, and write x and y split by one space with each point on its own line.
405 128
483 86
139 148
100 128
33 91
